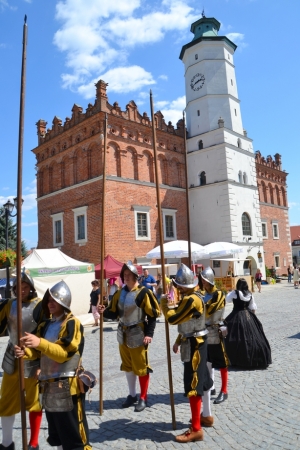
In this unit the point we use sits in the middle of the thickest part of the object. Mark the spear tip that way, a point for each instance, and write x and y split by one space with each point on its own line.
151 92
25 19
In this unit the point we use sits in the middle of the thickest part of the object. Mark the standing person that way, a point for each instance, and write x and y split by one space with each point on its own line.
159 288
190 318
258 277
136 308
95 301
216 354
10 394
59 343
289 274
296 277
148 280
246 343
112 287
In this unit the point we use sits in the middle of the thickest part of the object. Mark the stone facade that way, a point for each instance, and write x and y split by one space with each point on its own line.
69 181
272 186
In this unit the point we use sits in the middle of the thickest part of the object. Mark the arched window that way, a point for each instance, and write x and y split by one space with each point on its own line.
264 191
202 179
245 178
283 196
271 193
200 145
240 177
278 195
246 225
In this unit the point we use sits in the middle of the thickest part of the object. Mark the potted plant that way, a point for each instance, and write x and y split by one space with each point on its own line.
7 258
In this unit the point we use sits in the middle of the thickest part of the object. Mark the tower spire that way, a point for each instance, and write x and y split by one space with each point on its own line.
203 13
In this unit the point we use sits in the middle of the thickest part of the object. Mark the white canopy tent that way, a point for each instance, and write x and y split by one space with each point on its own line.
178 249
49 266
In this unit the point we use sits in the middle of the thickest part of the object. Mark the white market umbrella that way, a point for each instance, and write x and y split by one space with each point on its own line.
216 249
178 249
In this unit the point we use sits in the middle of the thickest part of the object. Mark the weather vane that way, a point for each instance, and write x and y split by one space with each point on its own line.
203 13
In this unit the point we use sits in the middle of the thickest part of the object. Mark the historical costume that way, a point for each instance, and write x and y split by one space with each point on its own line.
10 391
216 353
190 318
59 343
246 343
136 308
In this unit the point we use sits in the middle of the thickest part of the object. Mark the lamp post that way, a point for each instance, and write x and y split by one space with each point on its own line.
9 207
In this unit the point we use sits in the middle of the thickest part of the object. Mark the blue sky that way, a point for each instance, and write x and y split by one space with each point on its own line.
134 45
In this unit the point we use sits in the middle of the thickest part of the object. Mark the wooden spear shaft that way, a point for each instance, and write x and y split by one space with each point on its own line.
19 230
102 268
162 261
187 194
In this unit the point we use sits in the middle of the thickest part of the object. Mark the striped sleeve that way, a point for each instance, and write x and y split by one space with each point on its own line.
215 303
188 307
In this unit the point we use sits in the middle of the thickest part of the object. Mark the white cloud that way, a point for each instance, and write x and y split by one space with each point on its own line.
238 39
5 189
163 77
172 111
293 204
97 38
121 79
4 4
30 224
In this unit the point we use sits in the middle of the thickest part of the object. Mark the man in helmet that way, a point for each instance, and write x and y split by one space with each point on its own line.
190 318
10 397
216 353
136 308
59 343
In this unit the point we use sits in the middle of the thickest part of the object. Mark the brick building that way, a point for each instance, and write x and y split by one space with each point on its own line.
295 240
69 181
271 180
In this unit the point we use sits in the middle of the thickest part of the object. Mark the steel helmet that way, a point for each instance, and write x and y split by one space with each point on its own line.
128 266
61 293
25 278
185 277
208 275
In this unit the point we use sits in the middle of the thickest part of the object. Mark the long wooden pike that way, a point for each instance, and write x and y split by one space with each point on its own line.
187 195
102 269
162 261
19 231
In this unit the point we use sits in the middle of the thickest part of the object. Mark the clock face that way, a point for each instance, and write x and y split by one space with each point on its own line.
197 82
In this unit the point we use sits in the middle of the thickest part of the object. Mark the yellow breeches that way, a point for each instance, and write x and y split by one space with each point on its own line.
135 360
10 395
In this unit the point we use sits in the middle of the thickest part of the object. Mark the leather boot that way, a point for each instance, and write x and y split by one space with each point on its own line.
190 436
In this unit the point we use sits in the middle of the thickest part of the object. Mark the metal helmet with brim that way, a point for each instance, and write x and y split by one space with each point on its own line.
208 275
61 293
185 277
128 266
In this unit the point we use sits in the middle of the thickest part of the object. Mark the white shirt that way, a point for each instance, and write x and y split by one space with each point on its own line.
244 298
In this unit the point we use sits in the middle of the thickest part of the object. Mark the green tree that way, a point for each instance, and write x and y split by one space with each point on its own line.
12 234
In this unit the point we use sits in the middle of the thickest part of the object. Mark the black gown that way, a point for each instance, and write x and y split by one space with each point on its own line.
246 344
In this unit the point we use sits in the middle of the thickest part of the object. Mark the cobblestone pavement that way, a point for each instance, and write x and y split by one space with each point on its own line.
262 410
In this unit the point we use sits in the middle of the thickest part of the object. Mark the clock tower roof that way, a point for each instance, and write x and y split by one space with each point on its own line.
206 26
206 29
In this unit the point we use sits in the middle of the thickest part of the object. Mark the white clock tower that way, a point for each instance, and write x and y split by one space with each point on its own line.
224 204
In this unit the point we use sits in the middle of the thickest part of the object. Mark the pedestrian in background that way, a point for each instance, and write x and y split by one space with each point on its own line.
95 301
258 277
296 278
289 271
148 280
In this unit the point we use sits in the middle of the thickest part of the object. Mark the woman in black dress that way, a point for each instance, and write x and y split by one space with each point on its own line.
246 344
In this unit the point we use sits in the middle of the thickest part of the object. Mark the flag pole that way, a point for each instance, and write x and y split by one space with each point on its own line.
102 269
19 231
187 195
162 261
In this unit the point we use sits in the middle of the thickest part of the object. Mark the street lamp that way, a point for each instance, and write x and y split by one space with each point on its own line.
9 207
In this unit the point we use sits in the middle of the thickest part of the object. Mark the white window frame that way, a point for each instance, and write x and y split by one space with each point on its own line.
142 210
266 236
56 218
169 212
274 224
275 261
82 211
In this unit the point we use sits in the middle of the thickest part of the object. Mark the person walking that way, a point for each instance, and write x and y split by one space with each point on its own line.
246 344
95 301
32 314
289 271
296 277
189 316
258 277
148 280
59 343
136 308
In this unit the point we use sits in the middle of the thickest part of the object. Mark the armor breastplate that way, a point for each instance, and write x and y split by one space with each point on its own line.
129 312
195 326
216 317
49 367
28 322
